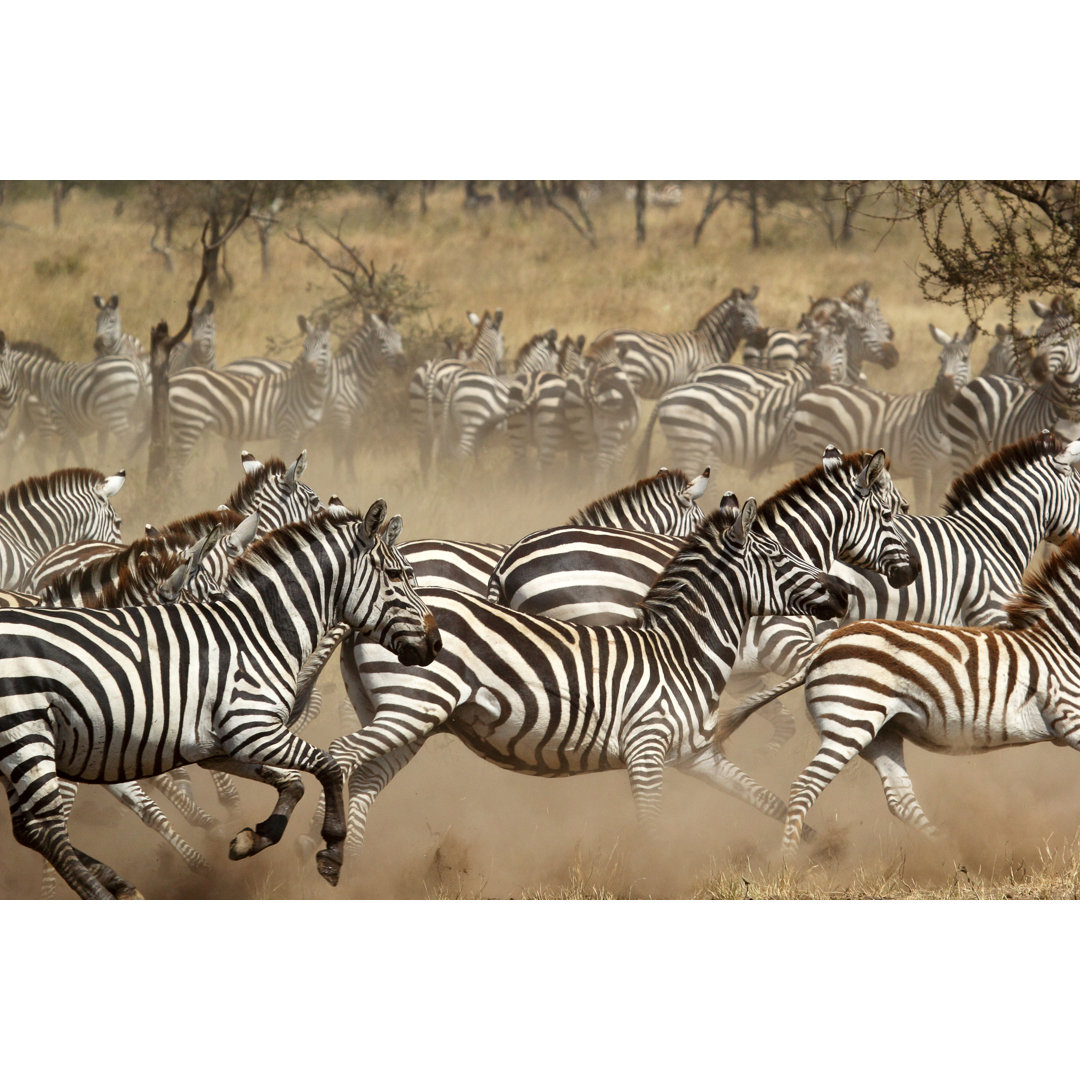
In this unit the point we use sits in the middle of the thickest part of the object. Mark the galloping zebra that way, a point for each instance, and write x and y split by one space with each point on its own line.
431 381
550 698
973 556
600 408
993 411
43 512
911 427
954 690
282 406
736 415
656 362
73 400
201 350
228 708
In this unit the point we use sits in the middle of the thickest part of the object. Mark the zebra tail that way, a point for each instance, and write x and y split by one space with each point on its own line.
733 720
641 465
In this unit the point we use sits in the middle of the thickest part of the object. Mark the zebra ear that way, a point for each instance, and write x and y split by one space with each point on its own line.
108 487
114 301
1040 309
98 302
152 531
497 321
696 488
738 532
832 458
302 322
244 533
940 336
373 519
296 468
392 530
473 318
729 501
336 508
1068 457
752 294
250 462
969 335
172 586
208 308
871 473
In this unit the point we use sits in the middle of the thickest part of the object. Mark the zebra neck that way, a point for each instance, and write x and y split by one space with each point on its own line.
1013 522
716 333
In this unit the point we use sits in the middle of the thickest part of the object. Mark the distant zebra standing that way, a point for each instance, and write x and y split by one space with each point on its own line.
656 362
911 427
201 350
858 316
996 410
1002 358
228 709
535 417
283 406
873 685
549 698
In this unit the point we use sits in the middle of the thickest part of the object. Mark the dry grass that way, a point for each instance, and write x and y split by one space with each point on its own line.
452 825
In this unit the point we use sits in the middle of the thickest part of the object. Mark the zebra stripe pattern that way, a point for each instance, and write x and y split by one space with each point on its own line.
549 698
99 696
657 362
201 350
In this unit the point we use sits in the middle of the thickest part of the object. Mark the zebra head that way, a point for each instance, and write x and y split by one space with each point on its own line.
1064 507
1057 341
388 337
383 605
571 352
775 580
276 492
825 349
869 335
203 336
488 345
107 332
954 360
539 353
317 352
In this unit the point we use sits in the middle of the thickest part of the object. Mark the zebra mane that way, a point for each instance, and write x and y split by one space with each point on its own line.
267 553
199 525
853 461
700 545
34 488
716 309
145 574
252 483
1042 589
147 549
670 482
34 348
985 476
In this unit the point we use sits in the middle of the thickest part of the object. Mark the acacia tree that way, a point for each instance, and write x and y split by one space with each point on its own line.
991 240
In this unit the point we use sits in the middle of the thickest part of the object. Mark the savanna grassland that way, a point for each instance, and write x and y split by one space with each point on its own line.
452 825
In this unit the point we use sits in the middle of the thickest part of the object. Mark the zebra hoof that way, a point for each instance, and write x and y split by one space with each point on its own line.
243 844
129 893
328 867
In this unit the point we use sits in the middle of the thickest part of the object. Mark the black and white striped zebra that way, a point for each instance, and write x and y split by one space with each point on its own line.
911 427
284 406
70 401
867 332
657 362
734 415
94 696
874 685
9 390
42 512
771 349
973 556
993 411
549 698
201 349
1003 358
109 336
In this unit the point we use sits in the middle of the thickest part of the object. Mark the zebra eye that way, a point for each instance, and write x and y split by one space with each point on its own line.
394 575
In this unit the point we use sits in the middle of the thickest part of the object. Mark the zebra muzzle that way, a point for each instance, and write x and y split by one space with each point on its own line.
901 575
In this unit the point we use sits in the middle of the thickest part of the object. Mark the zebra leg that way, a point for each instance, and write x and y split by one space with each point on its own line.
48 877
710 765
176 787
227 794
644 757
148 811
886 754
309 710
365 784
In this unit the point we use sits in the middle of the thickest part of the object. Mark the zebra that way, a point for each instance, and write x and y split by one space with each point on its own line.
201 350
1003 359
601 408
42 512
283 406
867 332
109 336
770 349
738 415
910 426
549 698
973 556
227 710
74 400
9 390
657 362
873 685
843 510
993 411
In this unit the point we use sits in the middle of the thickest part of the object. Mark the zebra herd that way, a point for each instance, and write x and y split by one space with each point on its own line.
605 642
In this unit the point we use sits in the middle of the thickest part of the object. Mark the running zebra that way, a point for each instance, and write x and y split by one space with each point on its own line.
911 427
42 512
71 401
735 415
996 410
549 698
227 711
973 556
657 362
955 690
201 350
282 406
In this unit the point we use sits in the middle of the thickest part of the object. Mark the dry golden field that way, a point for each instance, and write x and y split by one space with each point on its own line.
452 825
